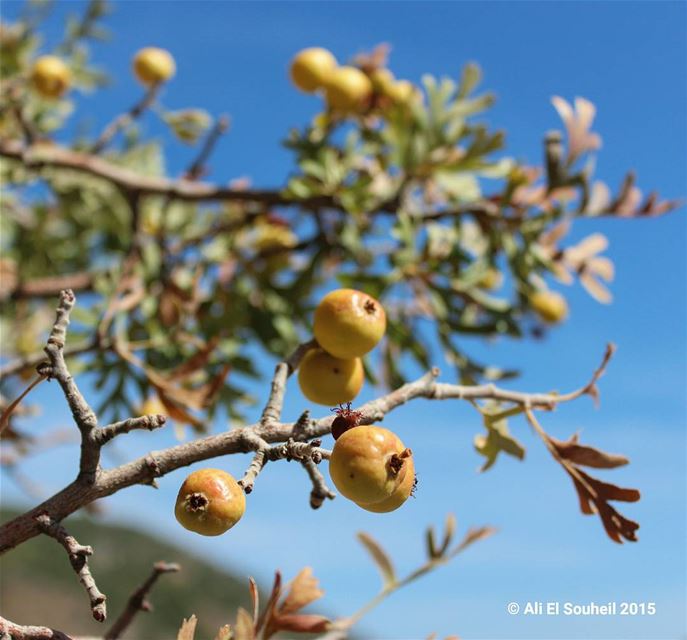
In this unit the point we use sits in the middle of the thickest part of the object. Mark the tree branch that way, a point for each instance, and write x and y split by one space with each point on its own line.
78 555
83 415
54 156
320 491
137 602
15 366
149 422
282 371
254 438
11 631
52 285
197 167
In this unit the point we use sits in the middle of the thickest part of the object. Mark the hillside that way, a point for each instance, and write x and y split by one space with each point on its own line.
37 585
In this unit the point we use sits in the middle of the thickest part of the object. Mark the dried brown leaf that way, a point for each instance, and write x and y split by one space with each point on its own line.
224 633
197 361
472 536
188 629
301 623
585 455
595 289
266 619
244 629
304 589
255 599
594 496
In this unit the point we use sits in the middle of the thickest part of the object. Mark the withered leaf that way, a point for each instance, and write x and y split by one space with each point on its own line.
188 629
594 496
244 629
380 557
266 619
472 536
585 455
301 623
197 361
224 633
304 589
255 599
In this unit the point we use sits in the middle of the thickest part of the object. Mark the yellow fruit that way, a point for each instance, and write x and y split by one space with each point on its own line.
550 306
310 68
402 91
210 502
152 406
398 497
153 66
347 89
348 323
275 238
328 380
382 80
368 464
491 279
50 76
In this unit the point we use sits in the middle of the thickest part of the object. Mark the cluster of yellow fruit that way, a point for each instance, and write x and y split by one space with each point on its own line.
347 325
348 89
51 78
369 465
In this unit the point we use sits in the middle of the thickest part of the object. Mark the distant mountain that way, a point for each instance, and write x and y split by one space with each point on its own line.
37 585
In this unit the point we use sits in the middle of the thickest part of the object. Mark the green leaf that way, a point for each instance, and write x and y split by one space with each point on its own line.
469 79
380 558
189 124
498 438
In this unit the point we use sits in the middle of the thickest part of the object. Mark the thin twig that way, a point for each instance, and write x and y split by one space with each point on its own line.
149 422
84 416
33 360
282 371
197 167
320 491
125 119
137 602
78 555
52 285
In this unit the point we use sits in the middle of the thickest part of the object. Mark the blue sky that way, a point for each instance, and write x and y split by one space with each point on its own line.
629 59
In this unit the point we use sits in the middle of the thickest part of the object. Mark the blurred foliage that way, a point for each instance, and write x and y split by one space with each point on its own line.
413 201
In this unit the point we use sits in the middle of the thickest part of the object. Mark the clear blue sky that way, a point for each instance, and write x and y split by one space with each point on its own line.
629 58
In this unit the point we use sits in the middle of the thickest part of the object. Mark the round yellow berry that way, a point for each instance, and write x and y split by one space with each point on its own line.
368 463
550 306
311 67
210 502
50 76
327 380
348 323
153 66
347 89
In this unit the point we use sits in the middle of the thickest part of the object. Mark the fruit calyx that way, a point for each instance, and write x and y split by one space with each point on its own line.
397 460
345 419
370 307
196 501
